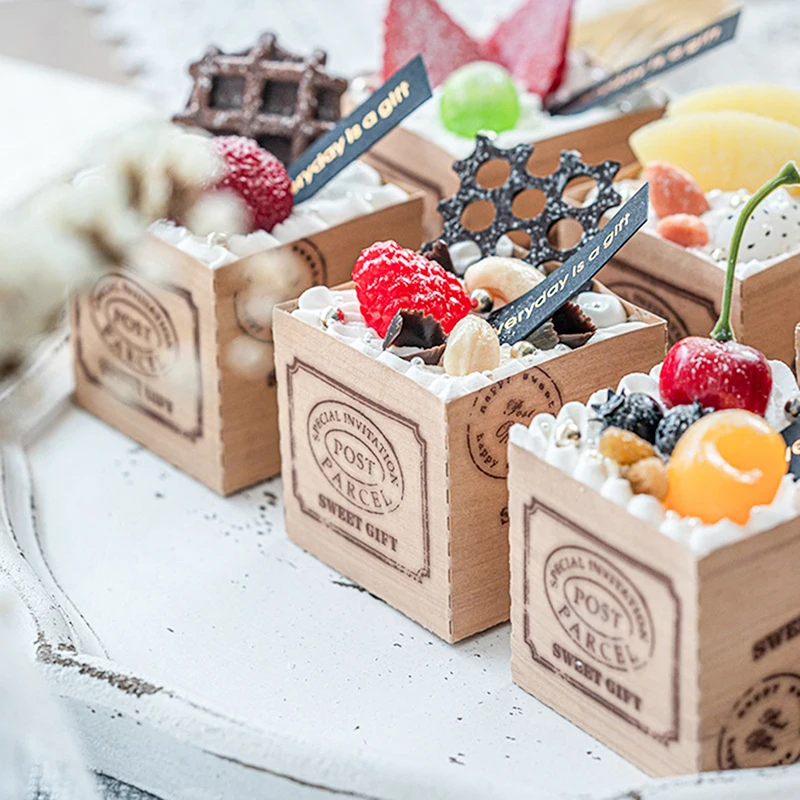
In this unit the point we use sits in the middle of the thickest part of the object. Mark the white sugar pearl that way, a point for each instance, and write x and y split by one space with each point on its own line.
316 298
544 424
563 458
463 254
574 412
604 310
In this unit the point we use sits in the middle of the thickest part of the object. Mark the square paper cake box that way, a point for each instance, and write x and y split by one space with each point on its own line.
679 663
405 493
405 156
153 359
686 289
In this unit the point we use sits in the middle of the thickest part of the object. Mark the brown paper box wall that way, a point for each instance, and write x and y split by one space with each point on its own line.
152 359
405 493
679 663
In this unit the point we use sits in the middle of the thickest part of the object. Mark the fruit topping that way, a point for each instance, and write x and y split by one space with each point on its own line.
683 229
673 191
675 423
718 371
413 27
532 43
472 346
769 233
648 476
257 177
726 150
764 99
390 278
636 412
505 279
624 447
716 374
480 96
723 465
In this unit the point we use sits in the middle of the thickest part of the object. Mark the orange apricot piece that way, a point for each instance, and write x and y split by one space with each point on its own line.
725 464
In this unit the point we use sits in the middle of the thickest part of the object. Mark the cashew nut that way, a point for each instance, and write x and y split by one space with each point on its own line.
472 346
505 279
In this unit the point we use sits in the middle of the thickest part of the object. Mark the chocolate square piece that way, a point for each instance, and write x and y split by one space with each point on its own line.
281 100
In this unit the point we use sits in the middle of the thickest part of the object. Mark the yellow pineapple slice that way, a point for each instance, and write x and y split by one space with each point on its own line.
764 99
720 149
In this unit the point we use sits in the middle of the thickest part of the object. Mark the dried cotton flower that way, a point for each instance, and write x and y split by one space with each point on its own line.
69 234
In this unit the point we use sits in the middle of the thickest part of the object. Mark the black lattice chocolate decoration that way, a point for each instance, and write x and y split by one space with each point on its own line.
519 180
281 100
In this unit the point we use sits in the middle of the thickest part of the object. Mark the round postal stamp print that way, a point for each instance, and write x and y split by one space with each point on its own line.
355 457
495 409
645 298
599 608
134 325
763 727
254 298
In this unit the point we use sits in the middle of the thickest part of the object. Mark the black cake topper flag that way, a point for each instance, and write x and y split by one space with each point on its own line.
520 318
404 92
672 55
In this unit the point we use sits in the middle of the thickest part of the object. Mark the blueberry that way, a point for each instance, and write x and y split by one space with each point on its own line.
675 423
636 412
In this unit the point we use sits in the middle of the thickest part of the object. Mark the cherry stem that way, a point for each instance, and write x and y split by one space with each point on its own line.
787 176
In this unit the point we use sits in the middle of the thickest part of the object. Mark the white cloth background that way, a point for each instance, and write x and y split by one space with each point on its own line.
160 37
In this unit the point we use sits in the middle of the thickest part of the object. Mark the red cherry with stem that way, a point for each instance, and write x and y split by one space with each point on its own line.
720 372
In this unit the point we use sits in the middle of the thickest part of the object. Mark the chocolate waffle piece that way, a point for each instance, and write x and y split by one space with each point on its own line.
283 101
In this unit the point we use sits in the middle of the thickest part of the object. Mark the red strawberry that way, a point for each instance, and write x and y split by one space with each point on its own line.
673 191
258 178
421 26
390 278
532 44
687 230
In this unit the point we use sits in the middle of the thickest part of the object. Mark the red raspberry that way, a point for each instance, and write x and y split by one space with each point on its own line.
258 178
390 278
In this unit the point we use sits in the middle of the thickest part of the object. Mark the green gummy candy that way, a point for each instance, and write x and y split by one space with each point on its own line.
480 96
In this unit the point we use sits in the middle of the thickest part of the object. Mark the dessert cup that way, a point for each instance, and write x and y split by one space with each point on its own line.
395 473
671 641
684 285
675 266
156 345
